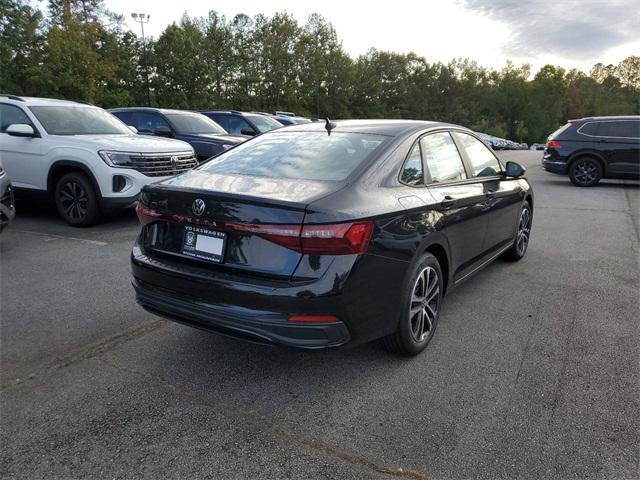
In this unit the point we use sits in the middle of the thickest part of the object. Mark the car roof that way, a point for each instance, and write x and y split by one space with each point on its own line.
231 112
613 117
153 109
19 100
380 127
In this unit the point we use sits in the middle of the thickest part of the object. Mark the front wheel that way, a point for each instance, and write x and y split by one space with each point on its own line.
76 200
521 242
420 308
585 172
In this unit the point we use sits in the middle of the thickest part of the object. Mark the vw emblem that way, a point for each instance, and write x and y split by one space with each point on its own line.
198 207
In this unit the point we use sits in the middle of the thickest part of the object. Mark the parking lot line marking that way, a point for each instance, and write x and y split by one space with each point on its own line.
257 418
64 237
91 352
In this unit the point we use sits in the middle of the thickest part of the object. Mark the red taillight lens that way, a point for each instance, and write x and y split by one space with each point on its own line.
146 215
336 239
553 144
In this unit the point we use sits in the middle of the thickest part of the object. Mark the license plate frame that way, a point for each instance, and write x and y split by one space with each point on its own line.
204 244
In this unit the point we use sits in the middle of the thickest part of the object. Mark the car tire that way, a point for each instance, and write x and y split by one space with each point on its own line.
76 200
420 308
523 234
585 172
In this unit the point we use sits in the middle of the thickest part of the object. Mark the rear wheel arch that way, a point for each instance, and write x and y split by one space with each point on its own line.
591 155
440 252
62 167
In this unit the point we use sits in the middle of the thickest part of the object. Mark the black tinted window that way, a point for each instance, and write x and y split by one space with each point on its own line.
297 155
148 122
483 161
230 123
621 129
125 117
412 171
442 158
10 115
590 128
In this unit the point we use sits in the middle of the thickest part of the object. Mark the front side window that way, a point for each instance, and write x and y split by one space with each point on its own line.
620 129
80 120
194 123
298 155
10 115
483 162
149 122
442 158
412 171
232 124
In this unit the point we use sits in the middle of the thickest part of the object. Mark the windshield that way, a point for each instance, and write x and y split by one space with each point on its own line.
194 123
78 120
298 155
263 123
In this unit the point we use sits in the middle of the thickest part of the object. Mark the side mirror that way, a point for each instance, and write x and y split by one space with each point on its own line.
163 132
248 131
133 129
514 170
20 130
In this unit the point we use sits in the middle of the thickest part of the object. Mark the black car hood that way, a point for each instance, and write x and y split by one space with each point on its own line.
218 138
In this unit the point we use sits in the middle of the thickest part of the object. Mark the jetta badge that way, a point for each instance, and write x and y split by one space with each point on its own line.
198 207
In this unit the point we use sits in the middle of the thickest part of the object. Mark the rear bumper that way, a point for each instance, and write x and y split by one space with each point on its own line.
252 325
554 166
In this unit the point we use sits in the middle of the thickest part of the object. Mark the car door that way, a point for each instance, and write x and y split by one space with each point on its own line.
459 200
619 144
504 194
22 156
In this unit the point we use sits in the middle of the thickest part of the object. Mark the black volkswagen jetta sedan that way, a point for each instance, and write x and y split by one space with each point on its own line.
317 236
593 148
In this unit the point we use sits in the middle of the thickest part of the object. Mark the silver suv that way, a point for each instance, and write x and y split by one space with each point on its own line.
85 159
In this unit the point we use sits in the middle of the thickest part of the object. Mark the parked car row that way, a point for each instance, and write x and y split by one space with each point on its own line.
89 163
500 143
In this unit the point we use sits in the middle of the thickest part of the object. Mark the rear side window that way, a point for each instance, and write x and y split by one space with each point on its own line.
590 128
298 155
442 158
483 162
620 129
412 172
10 115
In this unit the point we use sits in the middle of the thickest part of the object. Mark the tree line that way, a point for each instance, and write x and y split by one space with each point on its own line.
77 49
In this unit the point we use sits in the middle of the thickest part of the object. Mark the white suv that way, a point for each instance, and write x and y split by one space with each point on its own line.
81 156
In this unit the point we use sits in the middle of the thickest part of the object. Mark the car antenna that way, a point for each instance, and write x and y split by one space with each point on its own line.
329 125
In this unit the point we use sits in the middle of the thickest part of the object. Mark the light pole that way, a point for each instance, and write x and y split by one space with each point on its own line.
141 18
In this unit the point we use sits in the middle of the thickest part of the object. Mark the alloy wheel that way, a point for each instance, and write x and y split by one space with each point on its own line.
74 200
524 230
585 172
423 310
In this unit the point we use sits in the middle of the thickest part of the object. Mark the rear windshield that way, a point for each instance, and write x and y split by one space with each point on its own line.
298 155
558 131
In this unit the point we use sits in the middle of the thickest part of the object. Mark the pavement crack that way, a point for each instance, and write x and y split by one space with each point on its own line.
91 352
268 423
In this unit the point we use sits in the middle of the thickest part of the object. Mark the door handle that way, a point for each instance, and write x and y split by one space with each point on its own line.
447 202
490 193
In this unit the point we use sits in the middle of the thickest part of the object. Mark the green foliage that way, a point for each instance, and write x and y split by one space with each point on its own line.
80 51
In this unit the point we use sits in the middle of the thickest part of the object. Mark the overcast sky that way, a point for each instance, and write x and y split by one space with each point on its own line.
571 33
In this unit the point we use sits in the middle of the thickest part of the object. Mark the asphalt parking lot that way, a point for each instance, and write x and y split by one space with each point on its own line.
533 372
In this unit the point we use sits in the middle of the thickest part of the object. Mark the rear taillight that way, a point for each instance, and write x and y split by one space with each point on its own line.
336 239
553 144
147 215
